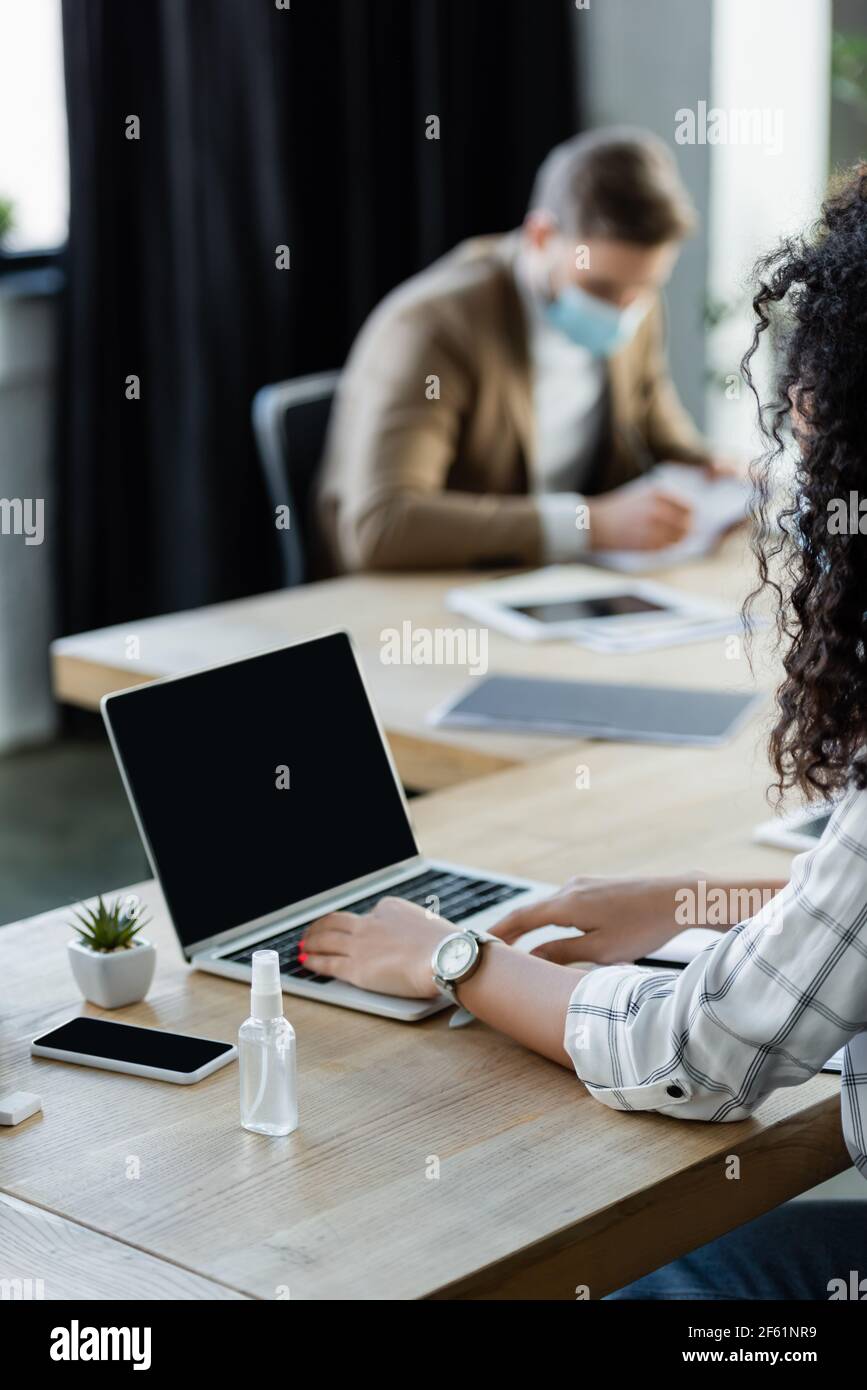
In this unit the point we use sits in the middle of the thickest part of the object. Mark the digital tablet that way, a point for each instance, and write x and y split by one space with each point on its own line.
580 610
801 830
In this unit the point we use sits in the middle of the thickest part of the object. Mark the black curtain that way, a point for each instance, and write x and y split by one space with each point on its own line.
260 127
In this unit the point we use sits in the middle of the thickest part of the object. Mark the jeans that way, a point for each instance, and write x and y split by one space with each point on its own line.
791 1252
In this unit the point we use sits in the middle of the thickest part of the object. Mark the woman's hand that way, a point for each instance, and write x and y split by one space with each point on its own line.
388 949
622 919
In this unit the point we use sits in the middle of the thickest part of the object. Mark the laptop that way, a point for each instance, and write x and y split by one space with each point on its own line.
265 795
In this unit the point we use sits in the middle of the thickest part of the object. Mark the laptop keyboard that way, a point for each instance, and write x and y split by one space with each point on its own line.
456 896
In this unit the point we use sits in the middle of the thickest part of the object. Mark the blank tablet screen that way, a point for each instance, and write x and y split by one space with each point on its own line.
578 610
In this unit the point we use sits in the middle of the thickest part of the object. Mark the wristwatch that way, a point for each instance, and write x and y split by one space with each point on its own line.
456 958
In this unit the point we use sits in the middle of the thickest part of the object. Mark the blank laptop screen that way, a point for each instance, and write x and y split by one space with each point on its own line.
259 784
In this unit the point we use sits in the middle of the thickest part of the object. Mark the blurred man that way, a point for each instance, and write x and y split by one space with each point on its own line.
499 407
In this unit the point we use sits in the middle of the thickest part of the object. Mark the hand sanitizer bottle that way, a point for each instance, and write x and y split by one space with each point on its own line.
266 1055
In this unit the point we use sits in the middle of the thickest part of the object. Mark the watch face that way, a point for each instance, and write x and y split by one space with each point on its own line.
454 957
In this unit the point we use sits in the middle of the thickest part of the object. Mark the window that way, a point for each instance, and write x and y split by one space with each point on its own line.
34 166
768 168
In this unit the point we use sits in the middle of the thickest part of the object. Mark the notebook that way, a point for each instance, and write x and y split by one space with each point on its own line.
625 713
717 505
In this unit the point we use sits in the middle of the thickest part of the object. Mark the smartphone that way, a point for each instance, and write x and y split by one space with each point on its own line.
127 1047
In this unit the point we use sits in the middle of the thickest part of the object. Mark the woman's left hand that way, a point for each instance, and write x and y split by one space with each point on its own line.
388 949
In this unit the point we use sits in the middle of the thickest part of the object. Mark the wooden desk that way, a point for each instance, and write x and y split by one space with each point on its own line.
540 1188
87 666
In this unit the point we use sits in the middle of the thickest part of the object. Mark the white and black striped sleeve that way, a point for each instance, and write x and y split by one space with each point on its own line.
765 1007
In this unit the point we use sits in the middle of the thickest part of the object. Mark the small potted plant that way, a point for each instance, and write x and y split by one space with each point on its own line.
7 218
112 965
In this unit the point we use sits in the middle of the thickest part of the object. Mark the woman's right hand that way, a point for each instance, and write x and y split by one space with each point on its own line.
623 919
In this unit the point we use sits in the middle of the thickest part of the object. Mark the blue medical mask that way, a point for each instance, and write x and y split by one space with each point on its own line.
593 323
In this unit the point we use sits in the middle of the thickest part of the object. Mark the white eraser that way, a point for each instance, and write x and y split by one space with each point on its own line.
16 1106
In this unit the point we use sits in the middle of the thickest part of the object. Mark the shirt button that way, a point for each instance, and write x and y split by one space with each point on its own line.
674 1091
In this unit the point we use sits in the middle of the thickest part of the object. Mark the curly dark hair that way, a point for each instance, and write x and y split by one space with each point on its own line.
813 294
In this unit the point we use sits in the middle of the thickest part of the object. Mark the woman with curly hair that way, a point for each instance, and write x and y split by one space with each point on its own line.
781 992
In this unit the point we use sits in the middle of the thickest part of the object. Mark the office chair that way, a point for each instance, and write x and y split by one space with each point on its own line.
289 422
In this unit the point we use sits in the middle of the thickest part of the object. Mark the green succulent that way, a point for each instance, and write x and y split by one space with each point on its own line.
7 217
109 928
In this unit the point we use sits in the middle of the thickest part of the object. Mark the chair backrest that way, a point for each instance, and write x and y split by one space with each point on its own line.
289 421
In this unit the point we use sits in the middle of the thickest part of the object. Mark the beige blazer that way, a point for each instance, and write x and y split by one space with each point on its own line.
430 445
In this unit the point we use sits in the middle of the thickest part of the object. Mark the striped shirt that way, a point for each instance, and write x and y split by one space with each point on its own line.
764 1007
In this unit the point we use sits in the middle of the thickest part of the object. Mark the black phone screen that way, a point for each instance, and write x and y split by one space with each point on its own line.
123 1042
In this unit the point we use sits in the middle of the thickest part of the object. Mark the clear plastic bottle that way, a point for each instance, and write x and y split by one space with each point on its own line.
266 1055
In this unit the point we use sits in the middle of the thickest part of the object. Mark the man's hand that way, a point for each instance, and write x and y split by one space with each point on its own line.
726 466
388 949
637 517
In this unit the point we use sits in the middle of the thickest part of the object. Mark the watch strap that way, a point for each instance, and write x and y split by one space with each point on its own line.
461 1017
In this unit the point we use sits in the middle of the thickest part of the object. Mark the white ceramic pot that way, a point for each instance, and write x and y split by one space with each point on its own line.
113 978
